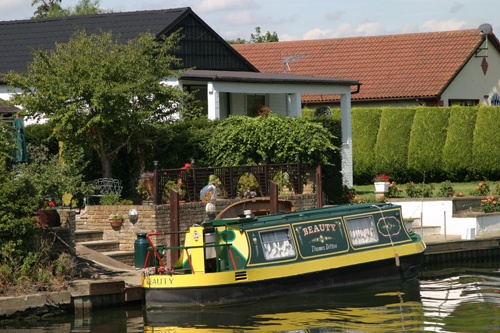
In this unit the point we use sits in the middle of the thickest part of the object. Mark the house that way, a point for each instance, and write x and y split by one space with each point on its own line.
220 76
7 112
433 69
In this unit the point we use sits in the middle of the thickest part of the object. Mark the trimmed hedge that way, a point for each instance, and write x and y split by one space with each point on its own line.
453 143
427 139
365 126
457 150
485 150
391 149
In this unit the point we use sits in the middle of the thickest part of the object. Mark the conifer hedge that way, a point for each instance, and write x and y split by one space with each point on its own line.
391 149
365 125
485 148
455 143
427 139
457 150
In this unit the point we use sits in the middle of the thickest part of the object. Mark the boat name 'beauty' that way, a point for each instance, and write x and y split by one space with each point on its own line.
160 281
317 228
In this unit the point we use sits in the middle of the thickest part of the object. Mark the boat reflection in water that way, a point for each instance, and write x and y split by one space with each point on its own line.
386 307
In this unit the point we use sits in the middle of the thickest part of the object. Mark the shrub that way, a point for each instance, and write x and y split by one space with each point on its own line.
395 191
490 204
351 196
446 189
248 186
482 189
419 190
176 185
110 199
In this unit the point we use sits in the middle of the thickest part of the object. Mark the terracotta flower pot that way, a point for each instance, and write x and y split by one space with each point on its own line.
116 222
48 218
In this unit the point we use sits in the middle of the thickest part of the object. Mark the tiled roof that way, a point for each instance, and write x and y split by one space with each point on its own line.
17 38
200 47
399 66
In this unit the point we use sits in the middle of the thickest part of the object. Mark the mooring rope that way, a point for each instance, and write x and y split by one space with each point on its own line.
396 255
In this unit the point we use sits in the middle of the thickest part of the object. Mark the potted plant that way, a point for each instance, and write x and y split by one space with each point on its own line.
381 183
47 216
145 186
177 185
116 220
248 186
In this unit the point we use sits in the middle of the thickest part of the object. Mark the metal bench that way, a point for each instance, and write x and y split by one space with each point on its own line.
104 186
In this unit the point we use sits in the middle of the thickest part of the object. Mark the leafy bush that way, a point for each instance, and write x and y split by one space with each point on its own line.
395 191
490 204
482 189
110 199
446 189
51 175
351 196
419 190
248 187
240 140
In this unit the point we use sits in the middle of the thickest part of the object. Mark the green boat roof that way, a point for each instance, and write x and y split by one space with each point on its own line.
303 215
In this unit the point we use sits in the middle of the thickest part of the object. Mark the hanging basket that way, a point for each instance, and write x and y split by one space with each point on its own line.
116 222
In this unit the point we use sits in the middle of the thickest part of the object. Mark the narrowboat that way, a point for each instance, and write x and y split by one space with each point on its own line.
251 257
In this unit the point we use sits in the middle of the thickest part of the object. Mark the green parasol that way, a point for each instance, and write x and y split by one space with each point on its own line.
21 154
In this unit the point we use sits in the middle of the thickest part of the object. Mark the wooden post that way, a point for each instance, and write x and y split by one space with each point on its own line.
156 199
273 197
319 187
174 225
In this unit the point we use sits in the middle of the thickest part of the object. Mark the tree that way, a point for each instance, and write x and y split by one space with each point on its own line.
87 7
257 38
47 8
267 38
52 8
98 92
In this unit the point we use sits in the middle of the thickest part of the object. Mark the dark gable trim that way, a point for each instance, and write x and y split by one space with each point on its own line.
18 38
202 48
249 77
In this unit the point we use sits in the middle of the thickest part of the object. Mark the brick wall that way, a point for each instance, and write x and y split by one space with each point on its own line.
157 218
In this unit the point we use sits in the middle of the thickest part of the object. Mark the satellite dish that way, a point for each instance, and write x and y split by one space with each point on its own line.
485 28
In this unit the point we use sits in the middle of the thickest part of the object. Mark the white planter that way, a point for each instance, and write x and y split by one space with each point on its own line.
381 187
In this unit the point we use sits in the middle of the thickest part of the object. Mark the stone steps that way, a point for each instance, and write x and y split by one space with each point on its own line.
93 239
88 235
126 257
422 230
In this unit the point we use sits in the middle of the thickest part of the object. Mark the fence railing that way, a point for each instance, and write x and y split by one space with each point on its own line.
193 179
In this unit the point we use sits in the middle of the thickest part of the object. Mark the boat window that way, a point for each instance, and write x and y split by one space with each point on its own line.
277 244
362 230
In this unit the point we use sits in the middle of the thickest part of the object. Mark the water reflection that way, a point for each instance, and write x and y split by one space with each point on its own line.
464 299
391 307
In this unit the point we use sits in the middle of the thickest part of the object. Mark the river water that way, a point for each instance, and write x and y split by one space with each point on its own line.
445 299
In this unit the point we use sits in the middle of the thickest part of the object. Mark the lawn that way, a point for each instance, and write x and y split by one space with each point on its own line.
366 192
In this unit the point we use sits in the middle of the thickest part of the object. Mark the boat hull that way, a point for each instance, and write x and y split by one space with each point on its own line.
370 272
